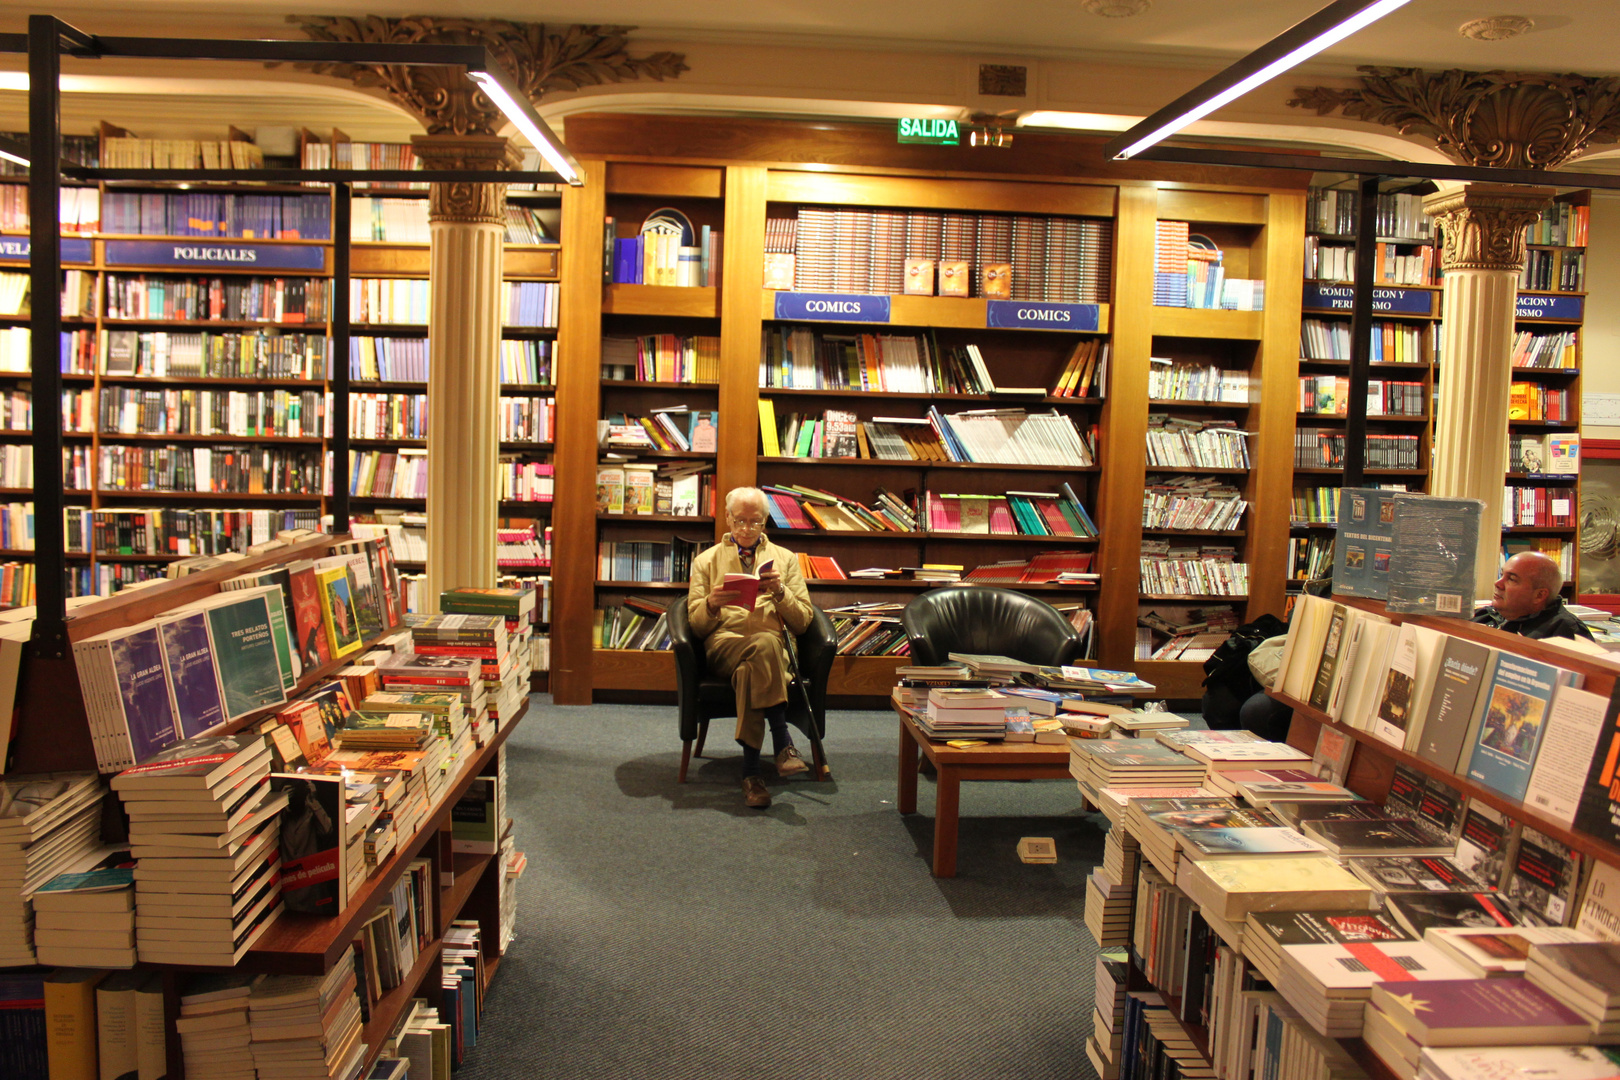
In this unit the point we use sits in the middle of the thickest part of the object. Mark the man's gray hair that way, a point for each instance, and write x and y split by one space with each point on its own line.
746 494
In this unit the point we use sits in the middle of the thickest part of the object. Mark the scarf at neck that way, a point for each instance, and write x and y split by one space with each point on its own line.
745 555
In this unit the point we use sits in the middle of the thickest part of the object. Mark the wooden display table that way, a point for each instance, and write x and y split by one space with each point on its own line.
993 761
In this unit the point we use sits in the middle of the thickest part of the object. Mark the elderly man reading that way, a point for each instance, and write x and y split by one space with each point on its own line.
1526 600
744 641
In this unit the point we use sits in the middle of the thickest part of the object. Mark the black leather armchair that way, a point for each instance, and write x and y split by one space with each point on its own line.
703 697
987 621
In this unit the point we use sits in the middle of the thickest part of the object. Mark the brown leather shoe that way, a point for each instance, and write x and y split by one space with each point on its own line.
754 793
789 763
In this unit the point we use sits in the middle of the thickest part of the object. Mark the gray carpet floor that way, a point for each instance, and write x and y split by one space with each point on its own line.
666 931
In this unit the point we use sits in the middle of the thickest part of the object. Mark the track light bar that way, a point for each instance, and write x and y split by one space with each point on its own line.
498 88
14 151
1300 42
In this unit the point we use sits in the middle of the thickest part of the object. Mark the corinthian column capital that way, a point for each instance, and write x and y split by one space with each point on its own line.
467 202
1482 225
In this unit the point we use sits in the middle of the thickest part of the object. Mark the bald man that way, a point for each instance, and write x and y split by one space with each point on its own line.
1527 600
745 644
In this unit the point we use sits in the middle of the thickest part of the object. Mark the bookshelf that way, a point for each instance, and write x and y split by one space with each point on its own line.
1400 414
1545 401
743 179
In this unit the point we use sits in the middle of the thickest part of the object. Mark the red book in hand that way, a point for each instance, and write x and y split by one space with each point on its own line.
746 586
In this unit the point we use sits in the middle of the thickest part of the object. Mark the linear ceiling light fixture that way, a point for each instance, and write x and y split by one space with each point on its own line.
496 86
13 151
1299 43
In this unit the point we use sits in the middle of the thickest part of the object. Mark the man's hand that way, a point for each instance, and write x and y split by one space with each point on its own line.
718 599
770 579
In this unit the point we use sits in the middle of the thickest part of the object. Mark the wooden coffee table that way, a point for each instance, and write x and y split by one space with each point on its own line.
993 761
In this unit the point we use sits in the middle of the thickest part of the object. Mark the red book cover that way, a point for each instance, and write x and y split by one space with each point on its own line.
306 600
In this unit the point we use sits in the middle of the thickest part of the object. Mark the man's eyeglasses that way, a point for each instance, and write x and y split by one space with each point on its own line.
751 524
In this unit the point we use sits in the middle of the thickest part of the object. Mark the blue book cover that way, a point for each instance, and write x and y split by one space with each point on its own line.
1366 538
137 658
627 260
469 1007
1516 704
188 657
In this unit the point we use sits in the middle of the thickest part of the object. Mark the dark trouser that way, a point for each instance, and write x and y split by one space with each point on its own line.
776 718
1266 717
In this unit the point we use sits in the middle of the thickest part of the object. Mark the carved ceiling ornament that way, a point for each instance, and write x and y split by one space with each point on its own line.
1482 225
537 58
1501 119
466 202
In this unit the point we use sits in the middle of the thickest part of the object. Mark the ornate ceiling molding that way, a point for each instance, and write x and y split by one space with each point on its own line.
483 204
538 58
1505 119
1482 225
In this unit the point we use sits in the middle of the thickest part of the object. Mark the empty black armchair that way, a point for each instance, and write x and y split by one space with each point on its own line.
987 621
703 697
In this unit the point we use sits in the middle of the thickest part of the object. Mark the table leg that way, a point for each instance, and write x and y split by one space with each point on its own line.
907 796
947 802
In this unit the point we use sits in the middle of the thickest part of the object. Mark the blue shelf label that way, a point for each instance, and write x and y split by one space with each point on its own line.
75 249
832 307
215 254
1036 315
1551 307
1395 301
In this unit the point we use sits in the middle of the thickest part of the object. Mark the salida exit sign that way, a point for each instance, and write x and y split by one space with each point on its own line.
935 132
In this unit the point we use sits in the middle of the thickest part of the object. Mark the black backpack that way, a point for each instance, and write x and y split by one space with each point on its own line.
1228 666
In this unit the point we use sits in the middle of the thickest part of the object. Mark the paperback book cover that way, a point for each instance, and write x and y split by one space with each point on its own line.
1516 701
1492 1063
1393 837
1599 811
306 605
1486 843
245 649
1416 873
337 610
1461 673
1432 555
1324 927
1419 912
147 722
1358 966
1366 537
1216 843
1332 649
312 849
188 659
1474 1012
1544 879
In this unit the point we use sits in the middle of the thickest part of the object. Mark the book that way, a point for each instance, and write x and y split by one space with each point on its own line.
1494 1063
1234 887
1574 725
1464 667
1415 873
248 650
1418 912
191 672
1485 842
1499 951
1544 878
1585 972
746 586
306 603
1478 1012
1516 702
1432 550
312 846
125 695
1408 681
1389 837
335 587
1216 843
70 1023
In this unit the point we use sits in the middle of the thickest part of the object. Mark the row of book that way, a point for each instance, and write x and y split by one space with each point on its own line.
130 152
200 299
250 354
79 212
169 531
648 560
1192 502
1329 395
1206 572
390 416
217 214
342 153
78 351
1553 271
1392 342
522 549
405 221
675 427
857 250
661 358
637 624
1185 633
1562 224
684 490
388 474
1400 214
125 410
869 629
1178 442
525 419
248 470
1552 507
659 258
1558 453
1170 380
522 361
1188 272
1391 266
1309 558
1534 401
983 436
1547 349
1026 513
1324 448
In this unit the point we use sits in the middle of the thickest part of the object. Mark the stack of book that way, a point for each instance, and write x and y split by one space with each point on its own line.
1496 952
1485 1063
1400 1019
52 822
485 639
967 713
1108 1019
205 831
1330 983
1586 977
1117 763
215 1037
1266 933
1108 910
307 1027
86 917
1231 888
423 1040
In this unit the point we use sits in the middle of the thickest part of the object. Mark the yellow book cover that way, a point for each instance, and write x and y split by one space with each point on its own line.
767 428
70 1024
336 591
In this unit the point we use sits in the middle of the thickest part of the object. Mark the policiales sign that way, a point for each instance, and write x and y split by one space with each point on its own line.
215 254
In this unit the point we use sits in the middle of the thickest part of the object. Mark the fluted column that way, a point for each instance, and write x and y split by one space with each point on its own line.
1482 257
467 227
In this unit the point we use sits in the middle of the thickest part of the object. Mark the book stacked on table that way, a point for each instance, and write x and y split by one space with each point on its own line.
1400 1019
204 829
482 638
1101 763
1491 1063
1329 983
1263 787
86 916
1181 738
1113 802
917 680
49 823
1389 837
1108 910
1419 912
1297 812
1231 888
964 713
307 1027
1584 976
215 1037
1268 932
1108 1015
1224 757
1415 873
1153 822
1494 952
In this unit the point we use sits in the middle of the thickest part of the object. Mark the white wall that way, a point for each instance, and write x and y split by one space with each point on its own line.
1600 364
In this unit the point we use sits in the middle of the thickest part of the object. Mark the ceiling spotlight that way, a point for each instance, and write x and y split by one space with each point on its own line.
1497 27
1116 9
